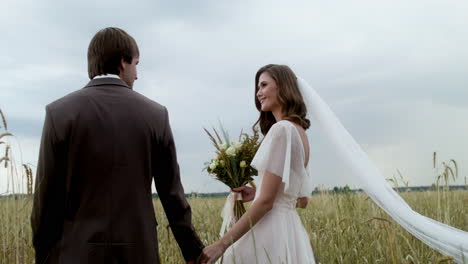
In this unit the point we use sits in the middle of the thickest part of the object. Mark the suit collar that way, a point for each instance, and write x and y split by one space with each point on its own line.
107 81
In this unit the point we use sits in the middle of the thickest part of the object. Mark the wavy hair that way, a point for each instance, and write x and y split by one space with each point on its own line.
289 97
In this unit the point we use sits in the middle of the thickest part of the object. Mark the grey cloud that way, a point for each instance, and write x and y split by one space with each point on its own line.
384 68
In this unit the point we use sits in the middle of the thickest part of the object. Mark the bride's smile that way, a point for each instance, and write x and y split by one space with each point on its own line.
267 93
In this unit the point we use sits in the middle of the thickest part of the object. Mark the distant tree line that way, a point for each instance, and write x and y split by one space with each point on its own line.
433 187
336 189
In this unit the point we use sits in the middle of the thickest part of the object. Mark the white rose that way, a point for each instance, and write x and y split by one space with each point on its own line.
243 164
223 146
237 145
231 151
213 165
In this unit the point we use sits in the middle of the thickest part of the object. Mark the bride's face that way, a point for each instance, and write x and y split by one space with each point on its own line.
267 93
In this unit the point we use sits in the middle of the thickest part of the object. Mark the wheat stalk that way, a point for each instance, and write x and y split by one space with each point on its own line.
217 135
5 124
213 140
29 177
6 134
7 149
456 167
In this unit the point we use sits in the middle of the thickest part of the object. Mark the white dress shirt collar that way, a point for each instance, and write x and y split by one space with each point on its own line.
106 76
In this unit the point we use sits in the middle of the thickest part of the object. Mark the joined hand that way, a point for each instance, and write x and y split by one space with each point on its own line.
211 253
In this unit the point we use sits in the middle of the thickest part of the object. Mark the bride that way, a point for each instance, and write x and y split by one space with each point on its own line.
271 230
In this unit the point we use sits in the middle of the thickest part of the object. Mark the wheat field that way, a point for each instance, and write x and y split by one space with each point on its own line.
343 228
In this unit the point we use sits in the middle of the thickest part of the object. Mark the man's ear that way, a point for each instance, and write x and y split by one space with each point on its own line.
122 65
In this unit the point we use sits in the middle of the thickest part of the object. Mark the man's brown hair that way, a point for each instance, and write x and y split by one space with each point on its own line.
106 50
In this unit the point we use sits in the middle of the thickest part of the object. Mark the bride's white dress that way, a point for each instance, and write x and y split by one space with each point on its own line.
279 236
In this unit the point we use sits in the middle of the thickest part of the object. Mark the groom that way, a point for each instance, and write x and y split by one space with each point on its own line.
101 147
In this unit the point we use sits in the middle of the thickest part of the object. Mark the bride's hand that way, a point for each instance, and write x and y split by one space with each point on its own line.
212 253
302 202
248 193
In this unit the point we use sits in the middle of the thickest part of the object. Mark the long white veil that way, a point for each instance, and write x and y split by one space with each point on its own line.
446 239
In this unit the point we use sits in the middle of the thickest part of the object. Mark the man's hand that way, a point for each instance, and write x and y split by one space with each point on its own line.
302 202
248 193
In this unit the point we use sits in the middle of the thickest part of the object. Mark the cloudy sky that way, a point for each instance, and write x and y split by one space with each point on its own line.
395 72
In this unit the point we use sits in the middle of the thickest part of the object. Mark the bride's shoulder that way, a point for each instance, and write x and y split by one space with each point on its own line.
286 128
281 127
283 124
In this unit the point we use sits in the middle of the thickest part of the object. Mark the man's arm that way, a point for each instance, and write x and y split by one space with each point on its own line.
170 191
49 194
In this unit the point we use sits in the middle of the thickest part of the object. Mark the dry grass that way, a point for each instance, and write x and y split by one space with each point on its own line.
346 228
343 228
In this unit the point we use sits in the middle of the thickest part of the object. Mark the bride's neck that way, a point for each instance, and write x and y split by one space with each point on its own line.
278 114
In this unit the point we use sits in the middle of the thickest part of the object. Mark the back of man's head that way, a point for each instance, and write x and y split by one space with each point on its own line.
106 50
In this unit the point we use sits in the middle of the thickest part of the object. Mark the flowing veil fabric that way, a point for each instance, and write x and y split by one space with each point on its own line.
446 239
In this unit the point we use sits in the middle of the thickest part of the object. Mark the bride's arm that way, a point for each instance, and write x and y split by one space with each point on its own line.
257 210
261 206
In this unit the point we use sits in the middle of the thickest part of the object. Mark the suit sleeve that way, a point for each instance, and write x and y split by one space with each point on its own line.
170 191
49 191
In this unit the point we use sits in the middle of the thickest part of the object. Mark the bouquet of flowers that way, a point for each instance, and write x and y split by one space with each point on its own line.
232 167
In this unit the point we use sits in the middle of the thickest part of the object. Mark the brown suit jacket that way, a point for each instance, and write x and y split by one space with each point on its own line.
101 147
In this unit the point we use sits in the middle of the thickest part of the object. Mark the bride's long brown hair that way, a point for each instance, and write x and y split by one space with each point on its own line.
289 97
